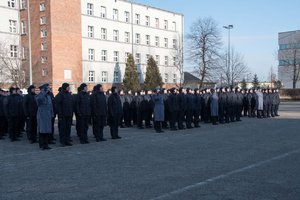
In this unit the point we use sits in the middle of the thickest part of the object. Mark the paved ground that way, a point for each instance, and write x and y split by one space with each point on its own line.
256 159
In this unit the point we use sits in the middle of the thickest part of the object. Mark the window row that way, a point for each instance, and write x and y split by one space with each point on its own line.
126 17
116 78
116 57
138 39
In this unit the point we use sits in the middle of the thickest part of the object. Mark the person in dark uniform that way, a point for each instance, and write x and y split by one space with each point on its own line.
75 110
197 108
133 109
12 112
44 115
30 110
126 109
182 105
245 102
84 113
189 107
99 112
22 118
114 113
167 110
222 104
174 109
275 102
64 108
149 106
238 104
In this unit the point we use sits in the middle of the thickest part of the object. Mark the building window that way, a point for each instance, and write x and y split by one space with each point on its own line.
103 34
174 78
91 76
165 24
156 41
103 55
23 4
166 43
90 9
174 26
147 21
44 59
148 40
91 54
44 72
166 60
43 33
12 26
44 46
137 38
126 56
116 77
11 3
13 51
174 44
104 77
156 23
127 16
166 78
42 7
138 58
116 35
147 57
116 56
43 20
157 59
137 18
174 61
90 31
115 14
23 27
67 74
127 37
103 12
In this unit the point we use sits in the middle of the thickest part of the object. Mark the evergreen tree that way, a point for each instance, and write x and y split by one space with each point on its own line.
255 81
131 79
153 77
244 84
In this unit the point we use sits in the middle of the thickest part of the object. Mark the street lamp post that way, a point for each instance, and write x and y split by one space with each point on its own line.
229 67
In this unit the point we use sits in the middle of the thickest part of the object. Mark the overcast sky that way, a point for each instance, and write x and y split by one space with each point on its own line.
256 25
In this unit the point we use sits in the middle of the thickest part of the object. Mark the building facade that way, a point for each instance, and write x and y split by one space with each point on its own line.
9 39
89 41
289 58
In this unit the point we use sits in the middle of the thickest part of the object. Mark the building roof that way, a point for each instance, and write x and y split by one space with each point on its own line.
188 77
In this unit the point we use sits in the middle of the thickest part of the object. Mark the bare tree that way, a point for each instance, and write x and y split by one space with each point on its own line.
204 43
10 65
272 76
178 62
238 68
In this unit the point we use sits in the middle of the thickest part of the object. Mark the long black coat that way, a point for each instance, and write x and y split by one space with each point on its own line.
30 105
114 107
98 104
83 104
64 104
12 106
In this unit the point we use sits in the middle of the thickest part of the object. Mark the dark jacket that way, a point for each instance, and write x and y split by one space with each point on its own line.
2 105
83 104
98 104
30 105
12 106
64 104
114 106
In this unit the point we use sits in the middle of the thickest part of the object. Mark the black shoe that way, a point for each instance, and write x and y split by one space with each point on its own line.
86 142
173 129
102 139
68 144
46 148
52 142
118 137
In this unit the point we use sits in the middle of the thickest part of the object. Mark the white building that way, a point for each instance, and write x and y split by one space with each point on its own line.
9 34
112 29
289 57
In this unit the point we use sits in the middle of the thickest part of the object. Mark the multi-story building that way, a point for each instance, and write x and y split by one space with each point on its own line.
9 39
89 41
289 58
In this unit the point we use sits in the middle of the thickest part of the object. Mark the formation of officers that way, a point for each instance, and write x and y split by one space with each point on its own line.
173 109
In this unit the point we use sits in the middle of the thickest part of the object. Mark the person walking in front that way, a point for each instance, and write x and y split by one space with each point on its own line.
44 115
114 113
